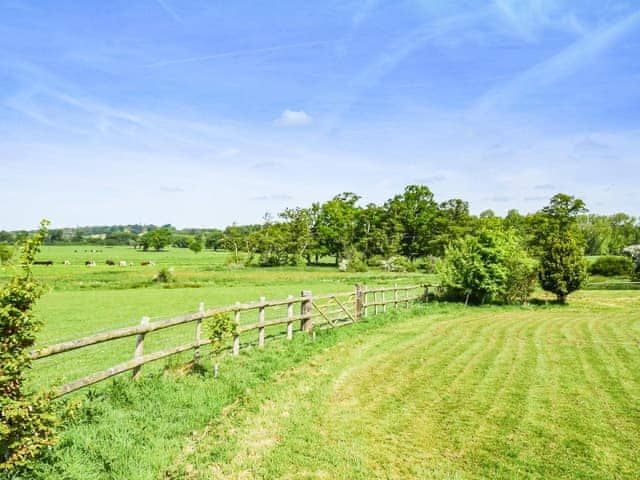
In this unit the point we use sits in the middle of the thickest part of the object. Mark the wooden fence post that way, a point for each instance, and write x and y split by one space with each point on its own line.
196 350
260 323
406 298
426 294
139 351
395 295
306 324
384 303
289 317
236 336
365 298
375 303
359 302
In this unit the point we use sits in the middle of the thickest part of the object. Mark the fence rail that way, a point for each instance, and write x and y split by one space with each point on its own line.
316 311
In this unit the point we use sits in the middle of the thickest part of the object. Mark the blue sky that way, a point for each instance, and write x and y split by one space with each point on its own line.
202 113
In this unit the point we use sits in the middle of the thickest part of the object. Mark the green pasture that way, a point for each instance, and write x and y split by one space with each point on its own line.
82 300
442 391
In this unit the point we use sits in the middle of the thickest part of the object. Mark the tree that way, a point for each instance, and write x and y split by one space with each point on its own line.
195 245
452 222
336 224
412 217
156 239
26 421
489 266
560 247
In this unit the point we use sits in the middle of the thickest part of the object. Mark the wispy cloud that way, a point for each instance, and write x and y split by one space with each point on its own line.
529 19
293 118
237 53
561 65
165 6
397 52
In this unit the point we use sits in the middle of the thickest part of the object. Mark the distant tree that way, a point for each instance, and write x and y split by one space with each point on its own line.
336 224
452 222
156 239
560 247
232 240
371 233
213 239
195 245
412 217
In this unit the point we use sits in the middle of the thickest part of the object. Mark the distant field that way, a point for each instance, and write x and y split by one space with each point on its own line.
442 392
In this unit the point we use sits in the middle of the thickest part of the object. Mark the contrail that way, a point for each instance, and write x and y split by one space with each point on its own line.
170 11
233 53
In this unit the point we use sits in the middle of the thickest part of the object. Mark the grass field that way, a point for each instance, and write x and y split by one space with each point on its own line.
80 301
441 392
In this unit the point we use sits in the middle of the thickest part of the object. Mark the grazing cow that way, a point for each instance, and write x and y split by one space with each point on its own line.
46 263
145 263
122 263
153 264
110 263
66 262
90 263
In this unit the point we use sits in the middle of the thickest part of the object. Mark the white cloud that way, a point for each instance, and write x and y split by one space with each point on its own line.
293 118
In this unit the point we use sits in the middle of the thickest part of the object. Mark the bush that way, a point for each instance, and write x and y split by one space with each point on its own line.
611 266
26 421
6 252
165 275
398 263
490 266
429 264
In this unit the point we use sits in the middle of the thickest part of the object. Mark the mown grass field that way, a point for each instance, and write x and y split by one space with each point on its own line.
442 391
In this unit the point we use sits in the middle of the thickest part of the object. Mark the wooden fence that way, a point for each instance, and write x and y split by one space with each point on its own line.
315 311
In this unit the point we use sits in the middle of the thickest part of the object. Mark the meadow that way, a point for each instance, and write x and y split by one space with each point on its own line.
438 391
82 300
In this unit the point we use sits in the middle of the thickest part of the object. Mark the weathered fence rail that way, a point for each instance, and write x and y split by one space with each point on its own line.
316 311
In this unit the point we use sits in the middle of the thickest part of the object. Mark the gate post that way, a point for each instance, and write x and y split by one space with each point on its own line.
306 324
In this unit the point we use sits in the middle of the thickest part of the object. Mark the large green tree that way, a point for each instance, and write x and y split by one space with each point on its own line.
412 217
156 239
336 224
560 246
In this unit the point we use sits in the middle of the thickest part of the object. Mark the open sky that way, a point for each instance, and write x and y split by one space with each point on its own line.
202 113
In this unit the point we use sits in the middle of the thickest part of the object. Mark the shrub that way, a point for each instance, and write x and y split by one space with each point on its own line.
611 266
219 327
165 275
26 421
490 266
398 263
429 264
6 252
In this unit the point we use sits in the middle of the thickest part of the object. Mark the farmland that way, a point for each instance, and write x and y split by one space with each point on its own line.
443 391
85 300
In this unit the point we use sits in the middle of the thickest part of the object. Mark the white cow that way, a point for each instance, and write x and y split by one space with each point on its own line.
123 263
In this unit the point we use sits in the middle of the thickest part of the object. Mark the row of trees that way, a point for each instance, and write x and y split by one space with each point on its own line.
411 225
